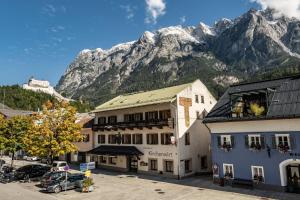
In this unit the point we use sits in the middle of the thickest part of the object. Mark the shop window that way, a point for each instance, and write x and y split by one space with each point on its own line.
257 173
112 160
152 138
101 139
126 139
112 139
187 166
102 120
137 138
169 167
166 138
228 171
204 162
187 138
112 119
255 142
103 159
153 164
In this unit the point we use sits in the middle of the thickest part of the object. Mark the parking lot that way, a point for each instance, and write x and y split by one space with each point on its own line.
113 185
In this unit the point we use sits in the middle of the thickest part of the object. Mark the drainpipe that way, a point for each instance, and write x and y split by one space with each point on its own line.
177 136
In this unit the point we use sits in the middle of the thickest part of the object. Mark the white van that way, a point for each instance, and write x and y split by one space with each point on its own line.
59 165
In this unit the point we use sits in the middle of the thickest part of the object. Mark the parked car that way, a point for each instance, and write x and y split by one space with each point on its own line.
31 171
49 177
59 165
73 181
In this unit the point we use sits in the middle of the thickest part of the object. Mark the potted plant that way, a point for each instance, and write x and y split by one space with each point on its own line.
258 178
283 148
256 109
87 185
226 147
228 175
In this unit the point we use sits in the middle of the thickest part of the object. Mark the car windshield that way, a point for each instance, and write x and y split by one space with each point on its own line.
54 165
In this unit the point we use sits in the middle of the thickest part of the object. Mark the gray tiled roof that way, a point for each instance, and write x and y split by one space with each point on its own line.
12 113
2 106
285 102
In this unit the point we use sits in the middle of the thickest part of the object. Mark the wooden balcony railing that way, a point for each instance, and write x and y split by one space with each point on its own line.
159 123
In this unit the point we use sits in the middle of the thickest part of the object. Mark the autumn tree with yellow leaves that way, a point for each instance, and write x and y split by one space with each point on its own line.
53 132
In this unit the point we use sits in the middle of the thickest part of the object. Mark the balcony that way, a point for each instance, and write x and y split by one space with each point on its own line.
159 123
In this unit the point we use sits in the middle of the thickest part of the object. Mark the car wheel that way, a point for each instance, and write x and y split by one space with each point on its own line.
57 189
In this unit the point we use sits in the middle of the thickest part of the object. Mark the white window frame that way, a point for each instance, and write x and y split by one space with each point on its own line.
229 165
228 139
282 135
255 136
262 171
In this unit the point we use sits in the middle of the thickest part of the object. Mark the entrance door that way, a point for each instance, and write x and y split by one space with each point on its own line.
293 178
133 163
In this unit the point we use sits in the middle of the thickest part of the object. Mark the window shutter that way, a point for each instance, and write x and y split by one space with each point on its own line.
247 141
148 136
232 141
156 115
292 142
219 141
262 140
274 142
162 138
146 116
99 139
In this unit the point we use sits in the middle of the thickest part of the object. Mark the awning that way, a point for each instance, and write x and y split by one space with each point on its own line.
116 150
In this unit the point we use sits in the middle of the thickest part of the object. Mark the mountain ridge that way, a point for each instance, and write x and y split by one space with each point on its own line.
229 51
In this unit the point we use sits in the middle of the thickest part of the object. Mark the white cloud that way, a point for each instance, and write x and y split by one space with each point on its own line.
182 20
129 11
49 9
56 29
289 8
155 8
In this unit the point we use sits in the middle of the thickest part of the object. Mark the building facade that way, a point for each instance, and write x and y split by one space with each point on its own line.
155 132
255 133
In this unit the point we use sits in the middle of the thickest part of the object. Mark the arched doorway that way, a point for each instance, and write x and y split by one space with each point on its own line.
290 175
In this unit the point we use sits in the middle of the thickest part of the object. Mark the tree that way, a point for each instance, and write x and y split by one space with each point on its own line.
12 133
53 132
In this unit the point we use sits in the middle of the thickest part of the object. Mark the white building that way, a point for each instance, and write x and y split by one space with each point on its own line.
43 86
157 132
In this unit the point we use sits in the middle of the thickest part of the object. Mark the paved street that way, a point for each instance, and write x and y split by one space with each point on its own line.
113 185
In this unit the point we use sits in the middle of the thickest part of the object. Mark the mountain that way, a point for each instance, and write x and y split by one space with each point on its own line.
254 45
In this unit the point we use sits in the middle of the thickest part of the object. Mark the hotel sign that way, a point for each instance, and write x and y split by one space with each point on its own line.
160 154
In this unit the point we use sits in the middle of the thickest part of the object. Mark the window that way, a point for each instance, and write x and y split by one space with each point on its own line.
101 139
187 166
283 142
103 159
202 99
225 142
151 116
153 164
164 114
228 171
126 139
128 117
255 142
112 160
198 116
258 173
166 138
196 98
152 138
112 139
168 166
102 120
112 119
203 162
86 138
138 117
137 139
187 138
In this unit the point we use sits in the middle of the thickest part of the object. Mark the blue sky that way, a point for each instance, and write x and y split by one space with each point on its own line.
41 38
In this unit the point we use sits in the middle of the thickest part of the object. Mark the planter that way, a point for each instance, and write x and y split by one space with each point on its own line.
88 189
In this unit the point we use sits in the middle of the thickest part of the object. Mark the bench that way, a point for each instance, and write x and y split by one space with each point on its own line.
243 183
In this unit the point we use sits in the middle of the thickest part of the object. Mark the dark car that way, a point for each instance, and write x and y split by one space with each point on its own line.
31 171
73 181
49 177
